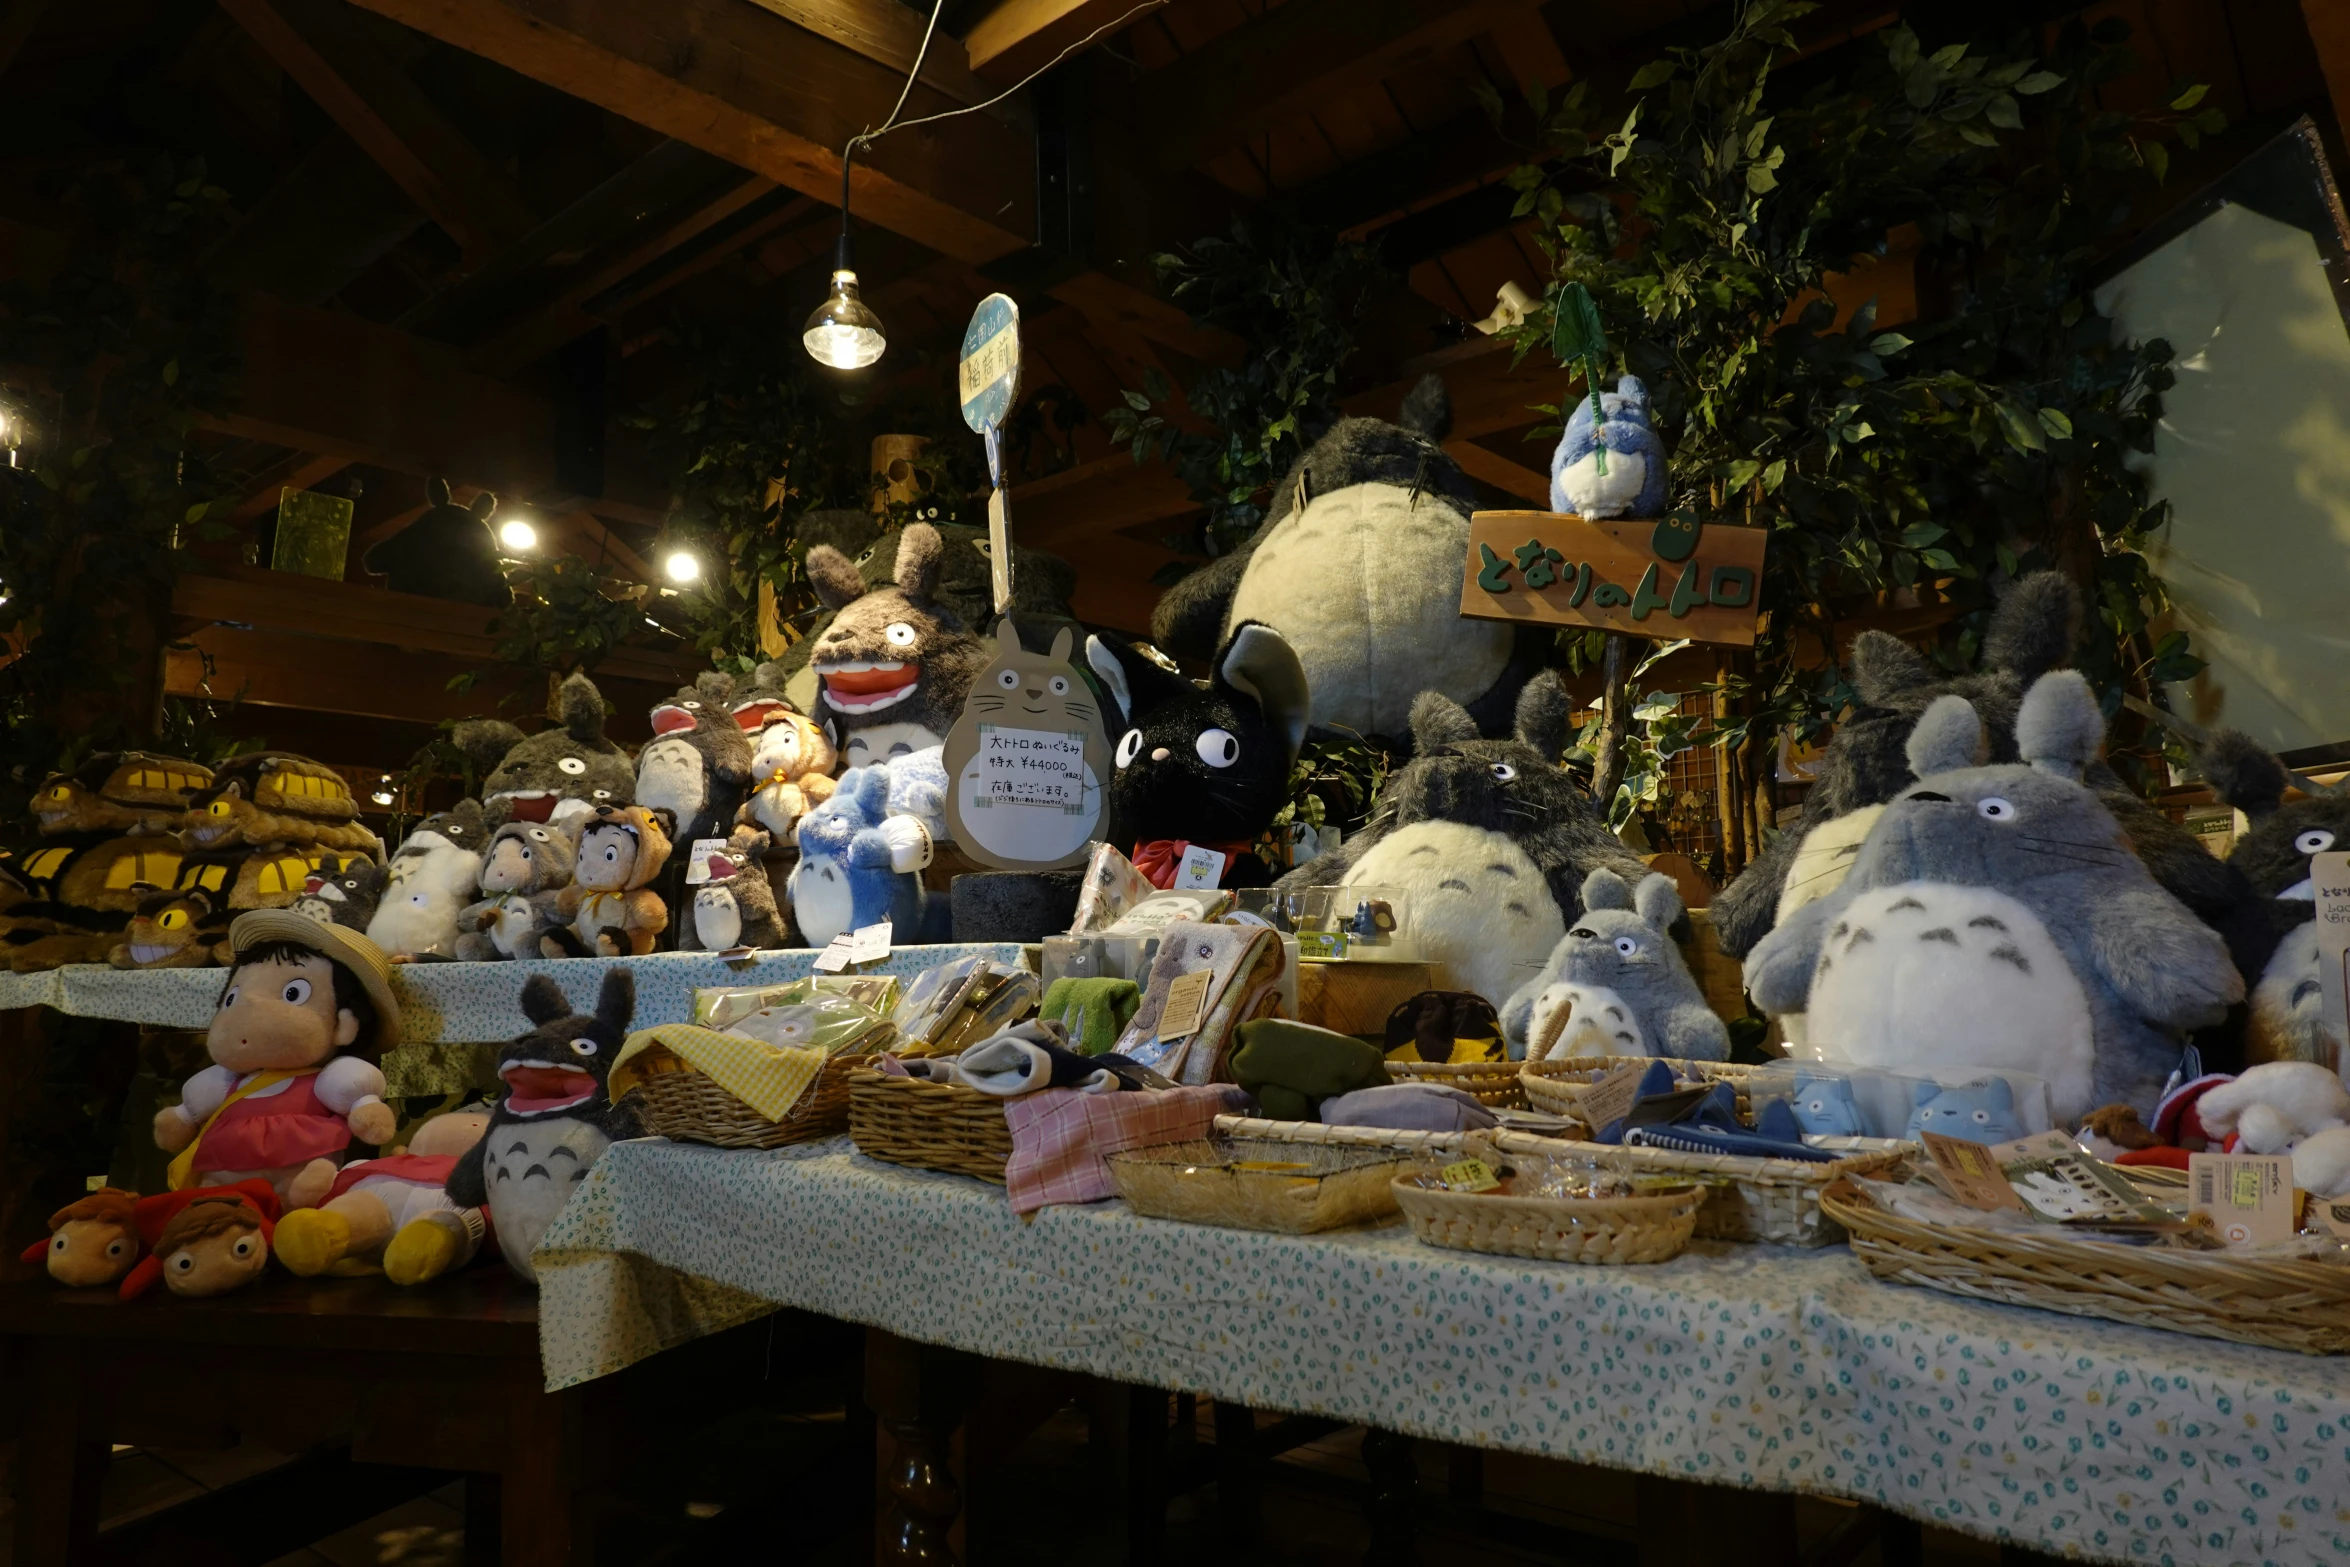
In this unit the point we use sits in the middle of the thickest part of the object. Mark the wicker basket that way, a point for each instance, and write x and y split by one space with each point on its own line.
2282 1304
1494 1084
1605 1230
687 1107
1557 1085
1774 1201
1207 1182
931 1126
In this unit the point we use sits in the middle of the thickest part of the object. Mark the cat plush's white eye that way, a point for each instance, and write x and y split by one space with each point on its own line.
1503 772
1626 945
898 634
572 765
2315 841
1993 809
1217 747
1130 747
1009 679
1058 685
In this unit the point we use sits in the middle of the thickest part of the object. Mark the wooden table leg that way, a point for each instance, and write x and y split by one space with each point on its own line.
1688 1525
538 1524
918 1396
1464 1476
1901 1542
58 1471
1395 1492
1148 1454
1240 1474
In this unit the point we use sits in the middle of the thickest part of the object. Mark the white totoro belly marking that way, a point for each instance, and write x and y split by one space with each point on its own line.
669 773
1933 977
1475 904
1597 1022
531 1169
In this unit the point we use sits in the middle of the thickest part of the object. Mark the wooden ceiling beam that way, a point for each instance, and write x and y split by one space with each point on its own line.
2328 22
1016 37
382 109
1291 57
299 471
890 34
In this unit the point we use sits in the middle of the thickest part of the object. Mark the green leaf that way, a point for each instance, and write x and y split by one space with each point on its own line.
1886 344
197 511
1940 560
1575 332
2158 160
2004 113
2056 424
1920 534
2039 82
2023 432
171 372
1774 476
1136 401
1652 74
2191 97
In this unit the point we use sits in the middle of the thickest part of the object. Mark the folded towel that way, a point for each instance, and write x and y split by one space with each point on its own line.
1028 1056
1095 1011
1408 1107
1291 1067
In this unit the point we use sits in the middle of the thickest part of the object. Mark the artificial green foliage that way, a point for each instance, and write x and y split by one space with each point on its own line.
1332 783
567 614
1294 295
1992 437
128 346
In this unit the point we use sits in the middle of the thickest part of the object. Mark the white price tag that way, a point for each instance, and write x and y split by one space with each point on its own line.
835 957
1200 868
697 862
871 943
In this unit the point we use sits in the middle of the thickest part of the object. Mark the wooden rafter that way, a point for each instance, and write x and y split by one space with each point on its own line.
1016 37
2329 34
383 110
300 471
890 33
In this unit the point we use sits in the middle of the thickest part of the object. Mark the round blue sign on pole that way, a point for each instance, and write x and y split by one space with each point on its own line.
991 363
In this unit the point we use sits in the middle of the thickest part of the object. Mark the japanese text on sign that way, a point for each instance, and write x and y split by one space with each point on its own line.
993 361
1035 767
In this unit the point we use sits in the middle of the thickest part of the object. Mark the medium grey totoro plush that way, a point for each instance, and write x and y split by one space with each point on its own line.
562 773
1616 984
1996 917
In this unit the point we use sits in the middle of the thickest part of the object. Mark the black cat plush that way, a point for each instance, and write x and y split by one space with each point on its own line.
2273 933
448 553
1203 766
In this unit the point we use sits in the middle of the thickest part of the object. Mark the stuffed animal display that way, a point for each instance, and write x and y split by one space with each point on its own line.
345 894
791 772
1825 1107
736 908
1036 801
92 1240
1203 767
1616 984
1491 839
610 908
1358 567
895 663
696 769
522 877
2287 1107
173 930
392 1214
1636 476
269 798
119 792
306 1010
1979 1112
847 877
552 1120
448 552
203 1241
431 878
1995 916
562 772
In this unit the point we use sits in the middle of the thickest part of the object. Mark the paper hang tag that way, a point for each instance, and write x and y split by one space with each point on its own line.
1970 1173
1469 1175
2332 1214
1200 868
2329 884
835 957
1187 998
2249 1197
697 860
1611 1098
870 943
2039 1145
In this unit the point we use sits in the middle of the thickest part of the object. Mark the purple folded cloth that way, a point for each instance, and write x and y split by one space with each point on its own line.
1408 1107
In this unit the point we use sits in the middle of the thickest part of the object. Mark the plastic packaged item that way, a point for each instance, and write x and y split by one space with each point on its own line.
1129 957
833 1024
719 1006
1362 923
1981 1104
1161 909
960 1002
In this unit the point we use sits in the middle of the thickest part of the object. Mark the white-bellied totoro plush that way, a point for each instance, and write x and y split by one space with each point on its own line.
1996 917
1616 984
431 878
1358 566
1490 839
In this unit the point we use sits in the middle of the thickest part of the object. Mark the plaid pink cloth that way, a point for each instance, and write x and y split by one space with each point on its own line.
1062 1137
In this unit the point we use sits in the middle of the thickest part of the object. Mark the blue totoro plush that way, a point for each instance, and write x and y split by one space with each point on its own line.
846 878
1634 484
1981 1112
1824 1107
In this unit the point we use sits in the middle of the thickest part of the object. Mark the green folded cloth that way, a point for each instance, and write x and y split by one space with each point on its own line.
1292 1067
1094 1011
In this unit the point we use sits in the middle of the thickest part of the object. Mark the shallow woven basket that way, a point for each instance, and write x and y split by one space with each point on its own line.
2283 1304
1604 1230
1557 1086
1494 1084
1773 1201
931 1126
1201 1183
688 1107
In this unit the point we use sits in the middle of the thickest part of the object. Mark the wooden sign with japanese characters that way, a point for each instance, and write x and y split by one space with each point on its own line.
1639 577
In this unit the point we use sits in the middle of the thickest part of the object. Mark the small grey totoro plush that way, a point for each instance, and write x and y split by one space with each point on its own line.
1615 984
525 867
1996 917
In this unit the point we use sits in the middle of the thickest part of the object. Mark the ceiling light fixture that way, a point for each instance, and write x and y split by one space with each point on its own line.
682 566
518 535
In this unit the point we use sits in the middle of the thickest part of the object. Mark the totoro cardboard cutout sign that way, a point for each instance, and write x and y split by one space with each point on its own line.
1026 761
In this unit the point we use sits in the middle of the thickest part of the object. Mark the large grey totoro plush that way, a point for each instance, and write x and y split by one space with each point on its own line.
1996 917
1616 984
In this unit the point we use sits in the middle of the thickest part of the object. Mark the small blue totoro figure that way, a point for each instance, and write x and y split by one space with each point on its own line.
1824 1107
847 877
1634 484
1981 1112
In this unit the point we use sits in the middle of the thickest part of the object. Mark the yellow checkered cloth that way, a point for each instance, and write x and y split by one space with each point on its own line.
768 1078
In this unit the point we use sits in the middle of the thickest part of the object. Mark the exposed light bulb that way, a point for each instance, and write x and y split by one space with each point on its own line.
381 797
844 332
518 536
682 566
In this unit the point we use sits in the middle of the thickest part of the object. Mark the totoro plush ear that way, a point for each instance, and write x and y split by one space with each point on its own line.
1604 889
2243 773
2035 626
1928 1092
1544 711
1112 675
542 999
582 707
1007 639
616 1002
1064 641
2060 728
1438 721
1427 409
1948 736
1884 666
834 577
436 490
485 741
1657 899
1259 663
716 686
485 506
919 551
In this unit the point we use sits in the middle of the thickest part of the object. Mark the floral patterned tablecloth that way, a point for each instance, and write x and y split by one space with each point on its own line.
1739 1365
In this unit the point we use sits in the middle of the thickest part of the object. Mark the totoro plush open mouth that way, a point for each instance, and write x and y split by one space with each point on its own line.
866 685
535 1087
752 716
670 719
526 805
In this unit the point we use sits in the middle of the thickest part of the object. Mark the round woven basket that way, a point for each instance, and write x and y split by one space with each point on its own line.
1600 1230
1494 1084
688 1107
931 1126
1557 1086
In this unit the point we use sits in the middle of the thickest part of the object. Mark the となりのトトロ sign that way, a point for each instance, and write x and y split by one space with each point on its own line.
1646 577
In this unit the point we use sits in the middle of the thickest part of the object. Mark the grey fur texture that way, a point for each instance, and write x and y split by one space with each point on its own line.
1620 955
948 656
2273 856
1962 850
531 776
524 867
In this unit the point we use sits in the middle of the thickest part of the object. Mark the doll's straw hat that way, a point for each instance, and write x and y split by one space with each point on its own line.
362 957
